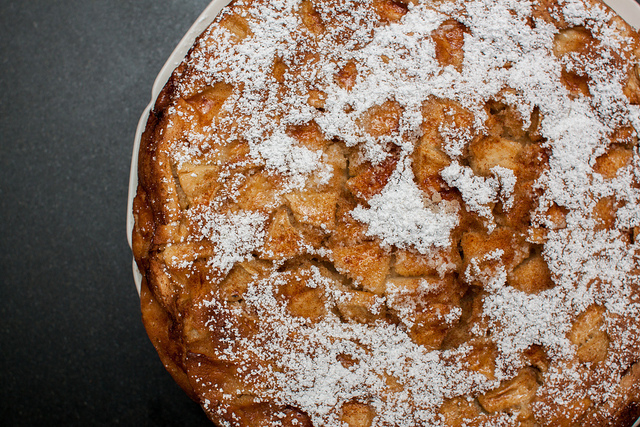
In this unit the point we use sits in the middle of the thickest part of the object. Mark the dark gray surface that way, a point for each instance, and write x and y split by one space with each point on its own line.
75 76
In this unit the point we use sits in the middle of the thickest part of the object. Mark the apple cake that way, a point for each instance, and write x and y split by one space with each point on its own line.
398 213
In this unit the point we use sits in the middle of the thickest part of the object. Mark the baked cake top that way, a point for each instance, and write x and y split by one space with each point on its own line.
398 213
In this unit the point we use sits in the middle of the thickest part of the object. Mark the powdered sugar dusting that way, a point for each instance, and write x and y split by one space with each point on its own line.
477 192
310 378
281 153
234 236
398 215
352 350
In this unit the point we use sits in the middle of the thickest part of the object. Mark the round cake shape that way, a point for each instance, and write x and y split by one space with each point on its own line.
398 213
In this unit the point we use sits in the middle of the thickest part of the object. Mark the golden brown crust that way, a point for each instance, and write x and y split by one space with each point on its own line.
231 314
159 328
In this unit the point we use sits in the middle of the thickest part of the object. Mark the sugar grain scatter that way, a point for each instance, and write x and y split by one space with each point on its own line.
400 212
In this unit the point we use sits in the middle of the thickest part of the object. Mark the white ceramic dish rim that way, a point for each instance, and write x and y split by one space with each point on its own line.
628 9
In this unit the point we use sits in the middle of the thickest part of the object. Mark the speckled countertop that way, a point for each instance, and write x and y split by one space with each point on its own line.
74 78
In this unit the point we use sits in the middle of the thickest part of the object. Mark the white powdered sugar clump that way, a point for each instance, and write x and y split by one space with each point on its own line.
527 319
283 154
234 236
455 140
398 215
578 137
477 192
480 193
